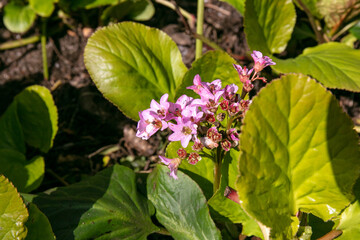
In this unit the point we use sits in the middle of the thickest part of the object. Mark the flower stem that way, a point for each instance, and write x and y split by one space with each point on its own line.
217 169
186 14
199 27
43 49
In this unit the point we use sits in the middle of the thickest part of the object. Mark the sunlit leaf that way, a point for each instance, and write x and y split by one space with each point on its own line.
43 8
237 4
333 64
269 24
18 17
13 213
128 65
299 151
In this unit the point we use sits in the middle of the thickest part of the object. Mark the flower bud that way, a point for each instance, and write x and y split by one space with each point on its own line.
182 153
194 157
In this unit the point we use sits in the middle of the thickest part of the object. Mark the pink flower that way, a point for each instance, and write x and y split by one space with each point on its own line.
244 73
176 109
226 145
233 134
198 146
162 108
230 91
260 61
194 158
234 108
149 124
182 132
172 164
248 86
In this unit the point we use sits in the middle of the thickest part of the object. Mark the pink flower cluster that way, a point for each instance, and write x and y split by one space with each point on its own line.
208 121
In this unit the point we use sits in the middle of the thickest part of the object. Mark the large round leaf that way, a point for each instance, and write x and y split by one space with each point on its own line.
333 64
106 206
180 206
18 17
269 24
13 213
132 64
299 151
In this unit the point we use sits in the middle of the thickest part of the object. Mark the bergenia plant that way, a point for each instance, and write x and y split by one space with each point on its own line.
210 121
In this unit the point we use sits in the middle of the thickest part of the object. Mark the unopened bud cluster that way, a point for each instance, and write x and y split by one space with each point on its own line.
208 121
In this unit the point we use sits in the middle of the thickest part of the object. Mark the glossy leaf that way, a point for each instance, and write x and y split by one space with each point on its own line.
25 175
128 64
299 151
142 11
38 116
237 4
18 17
269 24
106 206
38 225
180 206
211 66
13 213
350 222
88 4
43 8
333 64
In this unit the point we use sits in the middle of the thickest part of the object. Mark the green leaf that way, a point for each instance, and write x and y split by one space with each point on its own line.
32 117
355 30
141 10
43 8
11 134
38 225
212 65
128 64
18 17
333 64
106 206
13 213
269 24
237 4
88 4
311 6
38 116
202 172
180 206
299 151
350 222
25 175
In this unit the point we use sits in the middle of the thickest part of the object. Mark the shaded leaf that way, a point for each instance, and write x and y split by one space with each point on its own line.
38 116
13 213
311 5
333 64
355 30
106 206
127 63
25 175
38 225
18 17
299 151
269 24
180 206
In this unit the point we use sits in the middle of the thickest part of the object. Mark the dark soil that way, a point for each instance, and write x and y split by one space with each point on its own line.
88 123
